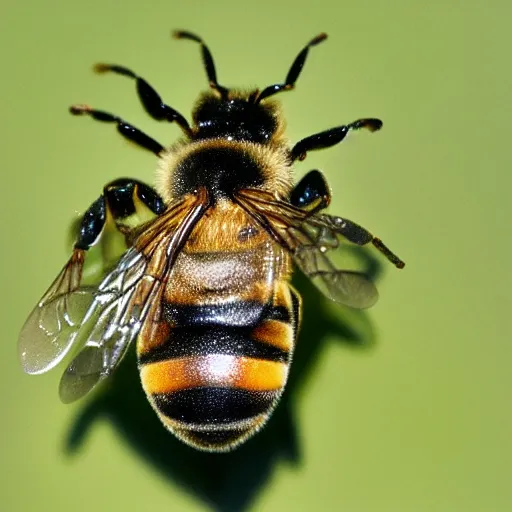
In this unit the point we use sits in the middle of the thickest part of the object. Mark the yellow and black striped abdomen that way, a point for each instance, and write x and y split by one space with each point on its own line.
214 385
217 362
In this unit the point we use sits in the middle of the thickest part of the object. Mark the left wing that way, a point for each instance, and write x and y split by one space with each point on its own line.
103 321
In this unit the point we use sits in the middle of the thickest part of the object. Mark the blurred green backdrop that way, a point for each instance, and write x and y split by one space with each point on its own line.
415 413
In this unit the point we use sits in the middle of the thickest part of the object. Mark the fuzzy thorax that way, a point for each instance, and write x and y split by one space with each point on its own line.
223 166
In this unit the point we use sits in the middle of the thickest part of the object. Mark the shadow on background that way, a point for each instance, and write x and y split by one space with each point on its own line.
230 481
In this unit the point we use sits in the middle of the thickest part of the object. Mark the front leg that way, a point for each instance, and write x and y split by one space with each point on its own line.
312 194
126 202
124 205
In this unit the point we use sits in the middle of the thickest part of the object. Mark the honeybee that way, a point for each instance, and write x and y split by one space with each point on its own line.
204 284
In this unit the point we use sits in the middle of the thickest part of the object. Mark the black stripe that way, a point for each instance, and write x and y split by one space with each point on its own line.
296 313
277 313
236 314
214 439
214 405
203 341
239 314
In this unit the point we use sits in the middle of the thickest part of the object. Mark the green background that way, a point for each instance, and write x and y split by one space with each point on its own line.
413 415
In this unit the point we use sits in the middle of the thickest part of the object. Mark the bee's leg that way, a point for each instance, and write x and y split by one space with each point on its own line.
358 235
293 73
125 129
331 137
123 202
127 202
149 98
207 60
311 193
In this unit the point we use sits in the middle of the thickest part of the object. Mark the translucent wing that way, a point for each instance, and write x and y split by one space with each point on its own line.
52 327
105 320
311 254
312 241
128 297
109 325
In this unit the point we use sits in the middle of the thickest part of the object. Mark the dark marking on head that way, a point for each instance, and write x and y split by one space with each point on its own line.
234 119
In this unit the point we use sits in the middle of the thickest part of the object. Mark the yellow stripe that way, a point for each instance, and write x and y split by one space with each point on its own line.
217 370
282 295
274 333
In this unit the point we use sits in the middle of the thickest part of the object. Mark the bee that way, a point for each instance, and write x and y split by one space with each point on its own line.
203 287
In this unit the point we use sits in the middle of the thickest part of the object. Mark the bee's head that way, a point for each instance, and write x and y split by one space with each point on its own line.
241 116
235 116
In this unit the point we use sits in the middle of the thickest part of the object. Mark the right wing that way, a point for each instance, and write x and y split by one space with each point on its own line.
312 240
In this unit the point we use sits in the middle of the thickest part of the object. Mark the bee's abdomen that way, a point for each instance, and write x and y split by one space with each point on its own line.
217 375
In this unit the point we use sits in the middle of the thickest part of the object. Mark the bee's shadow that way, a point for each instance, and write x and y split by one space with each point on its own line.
229 481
